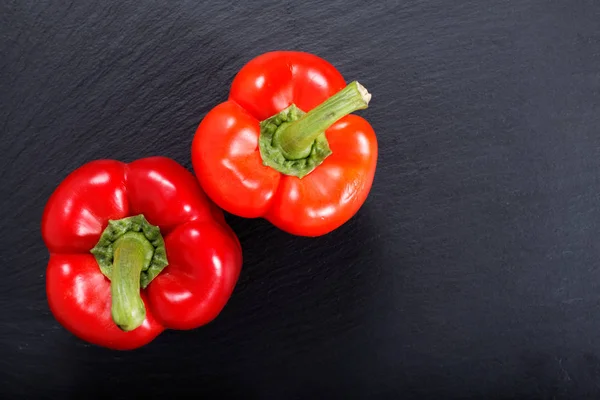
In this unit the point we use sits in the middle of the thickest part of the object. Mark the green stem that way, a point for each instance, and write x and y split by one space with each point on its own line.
132 254
296 138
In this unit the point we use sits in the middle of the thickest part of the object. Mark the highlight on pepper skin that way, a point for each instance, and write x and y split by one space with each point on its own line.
286 147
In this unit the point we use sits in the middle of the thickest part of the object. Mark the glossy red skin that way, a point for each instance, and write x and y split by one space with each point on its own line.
229 167
204 254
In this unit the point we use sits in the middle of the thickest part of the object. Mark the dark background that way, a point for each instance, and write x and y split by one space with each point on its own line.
472 270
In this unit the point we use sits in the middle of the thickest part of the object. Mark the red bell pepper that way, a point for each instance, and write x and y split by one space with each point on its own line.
283 146
135 249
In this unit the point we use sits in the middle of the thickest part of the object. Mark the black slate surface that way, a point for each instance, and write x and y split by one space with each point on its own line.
472 270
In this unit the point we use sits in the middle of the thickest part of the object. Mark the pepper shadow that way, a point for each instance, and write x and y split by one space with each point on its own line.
298 298
156 371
